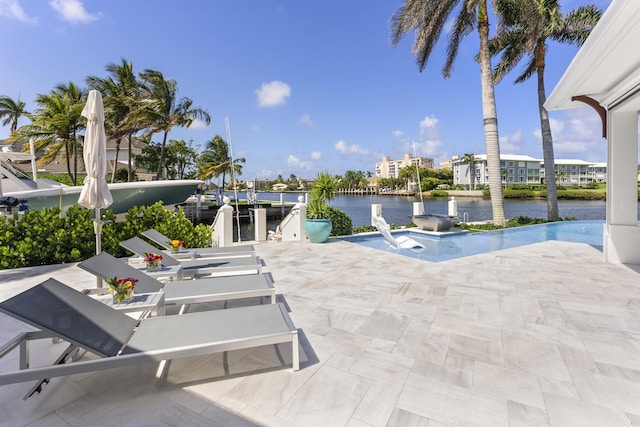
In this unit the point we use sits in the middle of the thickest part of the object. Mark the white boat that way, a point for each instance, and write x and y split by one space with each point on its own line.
434 222
44 193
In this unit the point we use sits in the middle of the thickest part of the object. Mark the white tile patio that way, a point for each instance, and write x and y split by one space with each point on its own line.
545 334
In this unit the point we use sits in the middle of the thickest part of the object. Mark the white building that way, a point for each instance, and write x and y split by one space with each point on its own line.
516 169
388 168
604 75
520 169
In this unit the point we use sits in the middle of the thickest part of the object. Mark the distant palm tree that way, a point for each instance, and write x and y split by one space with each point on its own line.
215 161
55 125
160 109
471 159
11 111
121 92
427 18
525 27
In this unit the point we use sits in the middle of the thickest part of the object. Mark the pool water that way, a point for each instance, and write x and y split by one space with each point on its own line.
447 247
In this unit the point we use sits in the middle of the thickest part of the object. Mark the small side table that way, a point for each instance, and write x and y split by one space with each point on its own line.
165 272
183 253
150 304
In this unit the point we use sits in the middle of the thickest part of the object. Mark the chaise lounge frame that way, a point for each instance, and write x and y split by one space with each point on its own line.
204 266
210 252
184 292
58 311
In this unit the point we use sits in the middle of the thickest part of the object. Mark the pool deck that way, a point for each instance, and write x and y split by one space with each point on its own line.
544 334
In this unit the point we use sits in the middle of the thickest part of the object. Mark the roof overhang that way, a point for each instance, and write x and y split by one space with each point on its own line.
606 69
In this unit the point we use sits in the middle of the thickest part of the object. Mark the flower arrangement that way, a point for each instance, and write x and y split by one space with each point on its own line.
122 289
176 245
153 260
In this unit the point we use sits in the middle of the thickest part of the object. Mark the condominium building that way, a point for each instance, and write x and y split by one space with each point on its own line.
521 169
388 168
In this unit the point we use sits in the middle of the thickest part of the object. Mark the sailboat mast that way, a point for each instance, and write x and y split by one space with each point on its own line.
233 175
418 174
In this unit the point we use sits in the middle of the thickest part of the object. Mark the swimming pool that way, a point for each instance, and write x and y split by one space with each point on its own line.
444 248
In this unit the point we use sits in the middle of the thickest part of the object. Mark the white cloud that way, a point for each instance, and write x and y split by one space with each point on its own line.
198 124
577 134
305 119
255 127
295 163
315 155
72 11
273 93
511 144
12 9
429 128
428 122
426 148
429 142
342 147
397 133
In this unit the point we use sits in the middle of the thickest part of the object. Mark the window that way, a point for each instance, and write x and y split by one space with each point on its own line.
520 171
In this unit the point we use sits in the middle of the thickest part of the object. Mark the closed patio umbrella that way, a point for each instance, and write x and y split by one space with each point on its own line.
95 192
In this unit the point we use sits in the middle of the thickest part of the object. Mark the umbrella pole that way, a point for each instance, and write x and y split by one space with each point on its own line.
97 228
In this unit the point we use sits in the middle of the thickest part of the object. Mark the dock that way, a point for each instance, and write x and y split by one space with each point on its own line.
205 214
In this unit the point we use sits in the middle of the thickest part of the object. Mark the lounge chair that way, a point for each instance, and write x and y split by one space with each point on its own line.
400 242
228 251
57 310
205 266
184 292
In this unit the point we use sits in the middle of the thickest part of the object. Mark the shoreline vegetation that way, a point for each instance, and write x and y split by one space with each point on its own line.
568 193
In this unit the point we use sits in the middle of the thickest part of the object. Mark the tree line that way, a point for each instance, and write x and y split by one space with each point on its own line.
524 28
140 105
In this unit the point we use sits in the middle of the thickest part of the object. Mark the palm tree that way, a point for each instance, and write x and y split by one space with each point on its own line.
525 27
216 161
56 124
121 92
427 18
161 110
11 111
471 159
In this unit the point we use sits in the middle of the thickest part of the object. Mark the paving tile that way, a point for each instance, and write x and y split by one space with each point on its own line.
546 334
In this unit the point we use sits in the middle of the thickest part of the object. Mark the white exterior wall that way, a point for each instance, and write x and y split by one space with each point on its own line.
621 231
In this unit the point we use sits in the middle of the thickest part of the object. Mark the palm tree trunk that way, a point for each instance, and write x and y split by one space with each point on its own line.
490 118
129 159
67 156
547 151
162 150
115 162
75 159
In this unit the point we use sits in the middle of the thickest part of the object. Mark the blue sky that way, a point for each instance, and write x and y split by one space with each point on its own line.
307 86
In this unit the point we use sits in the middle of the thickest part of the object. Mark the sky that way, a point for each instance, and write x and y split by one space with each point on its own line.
306 86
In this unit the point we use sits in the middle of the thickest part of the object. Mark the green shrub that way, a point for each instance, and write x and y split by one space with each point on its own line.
592 185
364 229
43 237
581 195
517 193
439 193
340 221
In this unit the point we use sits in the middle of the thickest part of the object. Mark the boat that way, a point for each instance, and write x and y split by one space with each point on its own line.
434 222
45 193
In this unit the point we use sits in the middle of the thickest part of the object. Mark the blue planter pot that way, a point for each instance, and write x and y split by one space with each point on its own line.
318 230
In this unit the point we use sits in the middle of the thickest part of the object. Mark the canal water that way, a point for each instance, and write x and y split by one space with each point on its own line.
397 209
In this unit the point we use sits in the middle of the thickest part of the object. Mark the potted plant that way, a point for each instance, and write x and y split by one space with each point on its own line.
318 222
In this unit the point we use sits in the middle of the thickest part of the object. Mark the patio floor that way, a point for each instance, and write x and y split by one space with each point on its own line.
545 334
